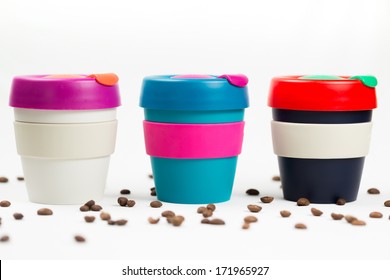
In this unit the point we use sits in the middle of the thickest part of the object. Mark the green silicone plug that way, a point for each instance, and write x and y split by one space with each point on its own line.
369 81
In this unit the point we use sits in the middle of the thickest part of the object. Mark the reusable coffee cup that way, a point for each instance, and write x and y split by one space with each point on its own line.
193 132
321 133
65 131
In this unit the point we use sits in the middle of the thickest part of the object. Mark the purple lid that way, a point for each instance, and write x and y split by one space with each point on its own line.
65 92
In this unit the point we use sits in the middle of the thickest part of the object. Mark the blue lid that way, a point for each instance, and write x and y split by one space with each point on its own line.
195 92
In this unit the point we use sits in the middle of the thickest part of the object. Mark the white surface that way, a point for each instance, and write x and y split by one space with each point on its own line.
324 141
139 38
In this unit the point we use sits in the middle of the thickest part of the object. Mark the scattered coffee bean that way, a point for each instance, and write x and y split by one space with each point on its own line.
18 216
373 191
89 219
201 209
211 207
155 204
20 178
122 201
84 208
45 212
3 179
150 176
336 216
316 212
79 238
205 221
387 203
341 201
252 192
90 203
177 220
105 216
254 208
300 226
96 208
111 222
285 213
350 219
250 219
121 222
276 178
4 238
245 226
358 223
376 215
217 222
5 203
153 191
125 191
153 221
207 213
267 199
168 214
130 203
303 202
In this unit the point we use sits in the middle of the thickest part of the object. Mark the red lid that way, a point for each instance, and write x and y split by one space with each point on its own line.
317 93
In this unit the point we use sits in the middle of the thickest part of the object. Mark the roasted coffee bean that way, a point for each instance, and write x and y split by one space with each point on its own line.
205 221
150 176
350 218
276 178
130 203
105 216
96 208
153 221
316 212
125 191
300 226
341 201
79 238
285 213
121 222
201 209
267 199
20 178
207 213
373 191
376 215
252 192
211 207
177 220
3 179
45 212
358 223
254 208
4 238
303 202
217 222
84 208
168 214
122 201
387 203
245 226
336 216
250 219
89 219
5 203
153 193
90 203
111 222
18 216
155 204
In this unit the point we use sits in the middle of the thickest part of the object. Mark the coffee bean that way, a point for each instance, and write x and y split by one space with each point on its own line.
84 208
121 222
254 208
217 222
79 238
18 216
105 216
336 216
20 178
130 203
45 212
316 212
89 219
177 220
150 176
5 203
303 202
153 193
111 222
252 192
201 209
3 179
96 208
250 219
122 201
155 204
267 199
350 219
341 201
285 213
168 214
300 226
207 213
153 221
387 203
376 215
245 226
276 178
4 238
358 223
211 207
90 203
205 221
125 191
373 191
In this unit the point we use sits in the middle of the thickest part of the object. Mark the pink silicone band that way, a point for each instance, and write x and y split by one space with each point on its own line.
193 141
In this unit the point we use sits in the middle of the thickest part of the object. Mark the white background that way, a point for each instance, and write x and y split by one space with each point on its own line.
138 38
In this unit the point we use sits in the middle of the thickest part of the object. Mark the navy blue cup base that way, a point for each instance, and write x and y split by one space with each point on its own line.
320 180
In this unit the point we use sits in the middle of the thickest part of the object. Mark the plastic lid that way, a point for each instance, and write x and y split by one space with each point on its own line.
65 92
323 93
195 92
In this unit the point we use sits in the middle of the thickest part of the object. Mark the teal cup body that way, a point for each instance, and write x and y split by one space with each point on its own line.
192 160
